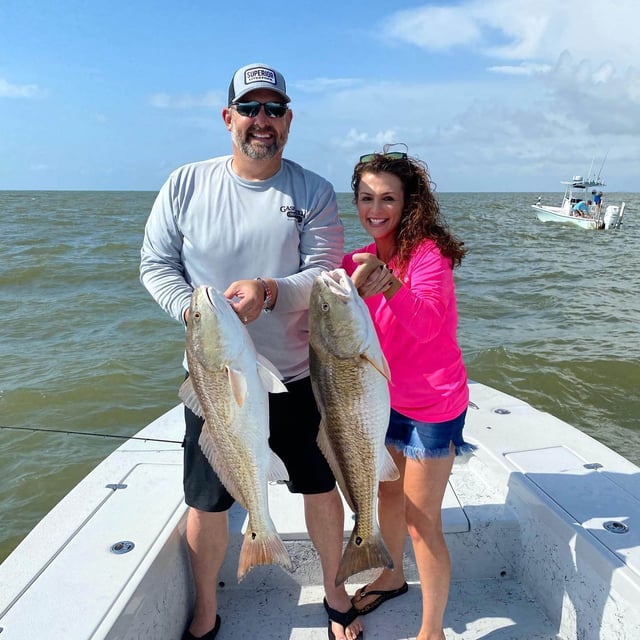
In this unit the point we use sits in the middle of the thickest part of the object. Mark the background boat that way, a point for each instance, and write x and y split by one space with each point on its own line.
596 214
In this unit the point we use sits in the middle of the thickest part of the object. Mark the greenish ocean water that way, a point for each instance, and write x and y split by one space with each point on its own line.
548 313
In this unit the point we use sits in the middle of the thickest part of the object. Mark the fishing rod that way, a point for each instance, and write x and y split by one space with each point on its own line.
602 165
89 433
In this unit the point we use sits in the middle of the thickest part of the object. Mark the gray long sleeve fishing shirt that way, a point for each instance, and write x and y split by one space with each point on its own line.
210 227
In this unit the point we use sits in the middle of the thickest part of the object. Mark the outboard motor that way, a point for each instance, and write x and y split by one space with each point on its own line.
612 217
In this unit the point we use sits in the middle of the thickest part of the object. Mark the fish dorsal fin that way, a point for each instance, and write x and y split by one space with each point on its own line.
277 470
188 395
388 469
238 384
378 362
269 375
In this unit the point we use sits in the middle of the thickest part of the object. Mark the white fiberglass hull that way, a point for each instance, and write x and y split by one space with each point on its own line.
542 523
557 214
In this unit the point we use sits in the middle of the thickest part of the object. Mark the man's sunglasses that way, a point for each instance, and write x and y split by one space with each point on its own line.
393 155
252 109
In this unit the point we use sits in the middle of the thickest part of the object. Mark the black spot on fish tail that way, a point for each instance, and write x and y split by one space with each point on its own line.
361 555
262 547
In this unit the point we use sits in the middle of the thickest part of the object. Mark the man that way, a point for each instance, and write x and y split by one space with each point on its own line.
260 228
581 209
597 199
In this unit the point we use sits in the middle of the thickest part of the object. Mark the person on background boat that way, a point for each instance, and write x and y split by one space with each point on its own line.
580 209
406 279
259 228
597 199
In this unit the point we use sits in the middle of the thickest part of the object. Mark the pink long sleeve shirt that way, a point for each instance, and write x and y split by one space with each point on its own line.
417 331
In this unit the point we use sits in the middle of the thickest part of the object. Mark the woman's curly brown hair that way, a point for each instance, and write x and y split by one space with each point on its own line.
421 217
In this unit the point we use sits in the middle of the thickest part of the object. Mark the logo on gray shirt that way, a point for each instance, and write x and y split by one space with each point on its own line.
292 212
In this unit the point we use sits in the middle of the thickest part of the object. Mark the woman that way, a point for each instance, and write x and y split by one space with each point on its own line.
406 279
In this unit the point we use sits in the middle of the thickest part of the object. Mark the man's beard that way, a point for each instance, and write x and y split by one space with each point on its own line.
257 150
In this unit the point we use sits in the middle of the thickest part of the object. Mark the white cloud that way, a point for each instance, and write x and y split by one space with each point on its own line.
435 28
603 101
524 69
604 74
525 30
320 85
562 85
8 90
358 140
208 100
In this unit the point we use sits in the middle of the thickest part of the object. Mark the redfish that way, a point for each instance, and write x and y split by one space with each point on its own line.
228 386
350 378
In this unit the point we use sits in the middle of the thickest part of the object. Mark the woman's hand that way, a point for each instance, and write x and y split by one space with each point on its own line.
372 276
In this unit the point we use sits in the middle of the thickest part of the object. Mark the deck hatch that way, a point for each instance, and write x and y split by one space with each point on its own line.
589 494
85 564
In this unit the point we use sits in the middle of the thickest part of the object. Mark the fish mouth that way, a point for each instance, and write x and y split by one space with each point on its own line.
207 291
338 283
212 296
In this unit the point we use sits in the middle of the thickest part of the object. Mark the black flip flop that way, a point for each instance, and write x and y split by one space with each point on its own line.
210 635
344 619
383 596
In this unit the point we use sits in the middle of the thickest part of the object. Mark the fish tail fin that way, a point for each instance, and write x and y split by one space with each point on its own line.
360 555
262 548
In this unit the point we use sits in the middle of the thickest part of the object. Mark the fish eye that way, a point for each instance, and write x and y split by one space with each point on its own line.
196 315
325 306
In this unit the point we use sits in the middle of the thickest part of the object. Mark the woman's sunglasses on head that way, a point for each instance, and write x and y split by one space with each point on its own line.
385 153
252 109
393 155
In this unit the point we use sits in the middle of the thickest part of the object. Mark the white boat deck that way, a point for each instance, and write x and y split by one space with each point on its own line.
485 601
523 520
487 609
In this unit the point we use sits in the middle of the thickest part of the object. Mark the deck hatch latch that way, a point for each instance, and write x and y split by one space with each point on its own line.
124 546
614 526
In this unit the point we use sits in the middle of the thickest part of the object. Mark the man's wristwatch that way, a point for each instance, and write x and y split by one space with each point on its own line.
268 296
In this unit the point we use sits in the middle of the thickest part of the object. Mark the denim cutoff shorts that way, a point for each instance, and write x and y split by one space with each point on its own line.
419 440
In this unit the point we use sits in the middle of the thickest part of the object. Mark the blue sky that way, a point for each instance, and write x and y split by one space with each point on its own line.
495 95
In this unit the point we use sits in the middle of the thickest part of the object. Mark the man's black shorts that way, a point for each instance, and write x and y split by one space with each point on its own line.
293 424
